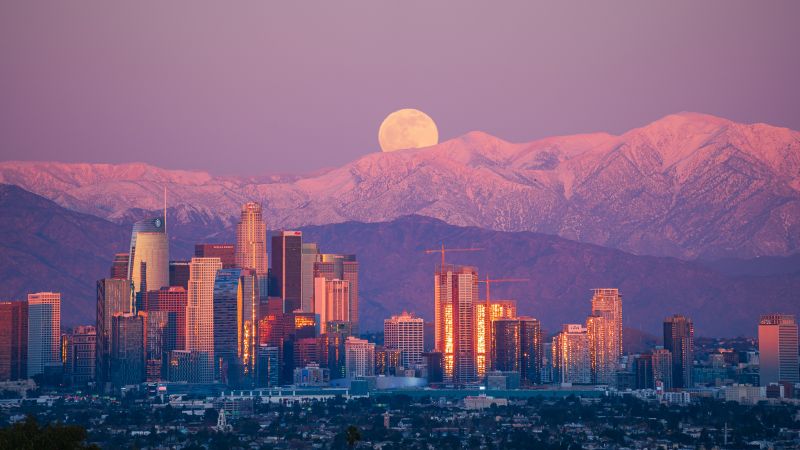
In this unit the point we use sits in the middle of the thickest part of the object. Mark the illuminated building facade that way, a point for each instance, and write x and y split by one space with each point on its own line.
309 256
341 267
605 334
498 309
157 336
331 300
455 296
405 333
777 348
44 331
171 300
148 261
661 368
571 363
81 358
225 252
127 349
251 240
226 330
200 315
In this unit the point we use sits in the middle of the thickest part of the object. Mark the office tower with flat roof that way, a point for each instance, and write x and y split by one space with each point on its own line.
605 334
359 357
662 368
251 240
483 330
225 252
127 349
531 350
267 366
200 315
173 301
148 262
309 256
643 371
571 363
179 274
226 330
406 333
44 332
81 357
341 267
601 354
287 259
114 296
455 295
679 340
247 325
13 340
506 345
331 300
777 349
119 268
157 329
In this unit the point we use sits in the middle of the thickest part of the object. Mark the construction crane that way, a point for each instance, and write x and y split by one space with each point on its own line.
488 281
444 250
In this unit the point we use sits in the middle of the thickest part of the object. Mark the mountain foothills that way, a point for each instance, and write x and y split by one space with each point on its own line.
688 185
46 247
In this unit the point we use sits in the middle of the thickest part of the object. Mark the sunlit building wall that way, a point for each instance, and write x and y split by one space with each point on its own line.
149 250
777 348
251 239
483 330
571 363
200 315
359 357
44 331
455 296
406 333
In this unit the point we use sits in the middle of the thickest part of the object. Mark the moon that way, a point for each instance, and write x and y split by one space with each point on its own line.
407 128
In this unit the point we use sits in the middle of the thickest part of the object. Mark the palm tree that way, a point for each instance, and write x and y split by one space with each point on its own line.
352 435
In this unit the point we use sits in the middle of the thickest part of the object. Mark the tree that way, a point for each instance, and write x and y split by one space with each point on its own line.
28 435
352 435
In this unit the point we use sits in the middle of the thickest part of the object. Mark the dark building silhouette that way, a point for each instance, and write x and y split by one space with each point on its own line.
179 274
13 340
679 340
225 252
287 263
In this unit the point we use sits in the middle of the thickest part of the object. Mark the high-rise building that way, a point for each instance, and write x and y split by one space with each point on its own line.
643 371
360 357
661 368
13 340
119 268
341 267
331 300
531 350
601 354
605 334
287 262
158 331
200 315
483 330
251 240
81 357
114 296
517 347
388 361
571 362
777 349
247 325
179 274
267 367
173 301
336 333
679 340
226 330
406 333
127 349
44 331
455 294
225 252
148 262
309 256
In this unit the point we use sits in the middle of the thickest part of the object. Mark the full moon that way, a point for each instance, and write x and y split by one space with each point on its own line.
407 128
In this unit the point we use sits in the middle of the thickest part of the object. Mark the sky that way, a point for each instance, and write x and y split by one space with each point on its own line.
259 87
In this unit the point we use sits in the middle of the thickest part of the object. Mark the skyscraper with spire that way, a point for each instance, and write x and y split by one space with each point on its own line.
251 240
148 263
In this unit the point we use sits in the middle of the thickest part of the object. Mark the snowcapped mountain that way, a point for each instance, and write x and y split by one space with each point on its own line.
688 185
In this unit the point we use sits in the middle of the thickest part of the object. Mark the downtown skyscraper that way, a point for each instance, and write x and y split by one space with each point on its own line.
114 296
13 340
251 240
287 264
200 316
44 332
571 359
340 267
777 348
455 296
604 327
405 333
148 264
679 340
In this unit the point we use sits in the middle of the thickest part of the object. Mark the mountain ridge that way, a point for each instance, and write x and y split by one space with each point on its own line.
688 185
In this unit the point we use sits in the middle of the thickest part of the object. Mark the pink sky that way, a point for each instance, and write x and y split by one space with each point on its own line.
266 87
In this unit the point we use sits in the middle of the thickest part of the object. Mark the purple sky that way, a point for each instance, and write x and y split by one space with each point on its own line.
269 87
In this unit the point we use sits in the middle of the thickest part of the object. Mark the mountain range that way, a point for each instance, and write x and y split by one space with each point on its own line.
44 246
689 185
